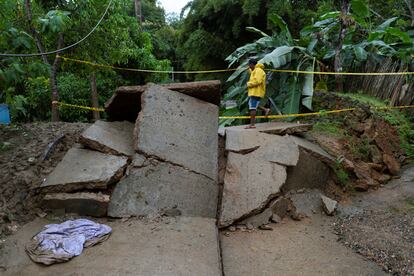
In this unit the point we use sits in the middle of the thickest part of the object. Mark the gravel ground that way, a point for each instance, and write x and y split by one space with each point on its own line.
386 238
380 225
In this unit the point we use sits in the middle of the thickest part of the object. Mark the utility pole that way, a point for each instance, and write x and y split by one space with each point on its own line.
138 12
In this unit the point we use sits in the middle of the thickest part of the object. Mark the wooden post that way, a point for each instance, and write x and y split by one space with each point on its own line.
138 12
94 98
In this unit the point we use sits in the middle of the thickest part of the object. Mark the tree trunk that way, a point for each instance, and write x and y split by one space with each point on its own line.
53 82
138 12
94 98
36 37
338 57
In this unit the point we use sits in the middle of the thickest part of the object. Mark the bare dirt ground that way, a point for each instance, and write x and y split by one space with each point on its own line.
380 225
22 168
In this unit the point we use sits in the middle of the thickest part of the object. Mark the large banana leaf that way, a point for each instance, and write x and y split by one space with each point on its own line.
278 57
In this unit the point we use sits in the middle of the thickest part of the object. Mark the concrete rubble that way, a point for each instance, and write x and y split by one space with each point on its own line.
261 166
329 205
84 169
110 137
160 187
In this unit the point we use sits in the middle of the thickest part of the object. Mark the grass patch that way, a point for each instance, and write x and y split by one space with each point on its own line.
333 128
341 175
364 99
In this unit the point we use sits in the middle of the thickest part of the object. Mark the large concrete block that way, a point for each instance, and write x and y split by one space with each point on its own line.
249 184
84 169
273 148
110 137
125 104
84 204
161 187
179 129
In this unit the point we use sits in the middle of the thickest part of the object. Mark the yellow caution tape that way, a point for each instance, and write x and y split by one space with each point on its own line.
79 106
145 70
313 114
234 69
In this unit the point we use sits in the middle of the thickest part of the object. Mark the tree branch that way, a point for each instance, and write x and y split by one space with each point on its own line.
33 31
410 8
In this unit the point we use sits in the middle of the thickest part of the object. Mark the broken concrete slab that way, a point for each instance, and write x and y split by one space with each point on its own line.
272 148
307 203
313 149
84 169
259 219
277 128
278 209
110 137
179 129
171 246
249 184
329 205
84 204
160 187
125 104
295 248
309 173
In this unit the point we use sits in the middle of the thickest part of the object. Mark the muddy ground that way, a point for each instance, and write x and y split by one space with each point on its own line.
23 167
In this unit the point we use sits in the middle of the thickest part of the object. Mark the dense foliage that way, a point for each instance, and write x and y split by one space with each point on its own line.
327 35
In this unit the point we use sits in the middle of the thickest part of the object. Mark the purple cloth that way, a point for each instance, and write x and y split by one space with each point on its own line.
61 242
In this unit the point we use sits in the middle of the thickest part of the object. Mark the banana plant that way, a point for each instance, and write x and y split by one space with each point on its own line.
276 51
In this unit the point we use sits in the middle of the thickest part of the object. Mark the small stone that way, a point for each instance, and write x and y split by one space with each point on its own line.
329 205
227 234
266 227
232 228
241 227
250 226
275 218
31 160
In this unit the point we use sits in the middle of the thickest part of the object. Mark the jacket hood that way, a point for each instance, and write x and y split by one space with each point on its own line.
259 65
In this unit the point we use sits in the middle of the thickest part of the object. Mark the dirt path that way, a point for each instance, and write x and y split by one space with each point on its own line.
380 225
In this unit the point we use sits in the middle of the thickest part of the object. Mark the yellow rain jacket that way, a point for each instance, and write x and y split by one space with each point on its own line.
256 85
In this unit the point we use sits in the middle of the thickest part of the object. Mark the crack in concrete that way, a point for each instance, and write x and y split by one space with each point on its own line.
244 152
159 159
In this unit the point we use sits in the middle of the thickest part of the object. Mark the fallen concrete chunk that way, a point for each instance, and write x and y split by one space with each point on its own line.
84 169
84 204
179 129
161 187
278 128
172 246
307 203
272 148
259 219
249 184
125 104
110 137
329 205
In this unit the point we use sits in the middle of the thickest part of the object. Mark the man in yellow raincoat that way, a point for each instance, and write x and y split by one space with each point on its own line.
256 87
